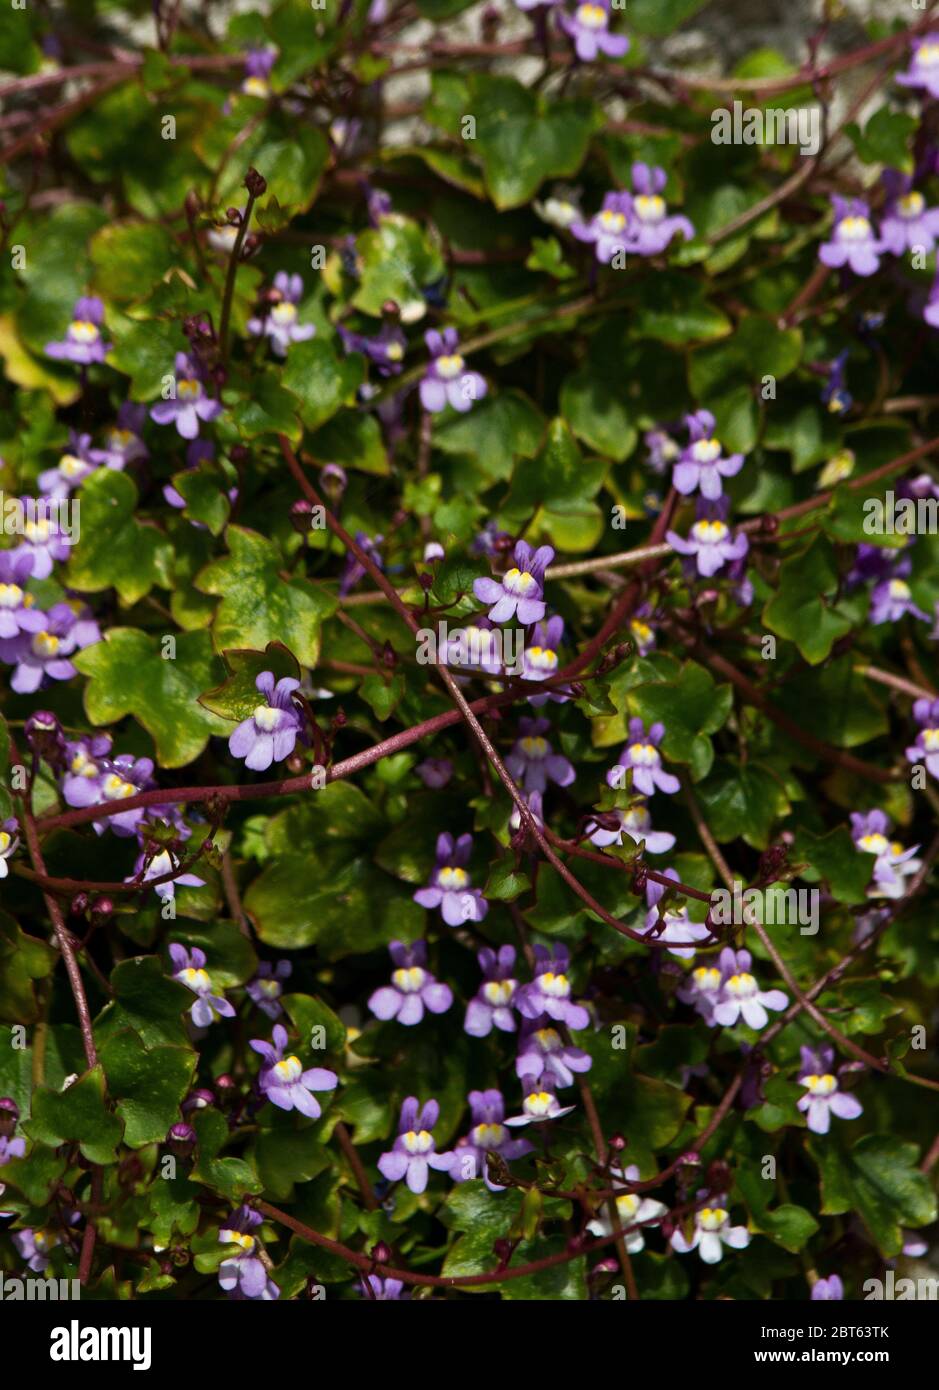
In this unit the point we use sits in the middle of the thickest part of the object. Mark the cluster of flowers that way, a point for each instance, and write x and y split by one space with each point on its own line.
636 223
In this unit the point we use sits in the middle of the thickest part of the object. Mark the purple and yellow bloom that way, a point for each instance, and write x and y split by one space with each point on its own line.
244 1275
191 972
650 227
550 990
258 65
270 732
449 887
701 989
45 541
160 864
267 986
491 1006
72 468
18 612
712 1231
853 240
285 1082
9 843
446 380
870 832
663 450
43 655
533 762
95 783
386 349
488 1135
633 1209
908 224
413 988
835 394
891 598
926 748
741 996
636 824
413 1152
124 443
540 658
353 569
190 404
923 71
520 592
542 1052
678 927
711 544
607 229
279 322
702 463
641 756
538 1105
82 343
33 1245
822 1097
588 28
383 1290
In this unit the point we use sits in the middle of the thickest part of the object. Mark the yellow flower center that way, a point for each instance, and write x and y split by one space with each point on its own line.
450 365
45 644
83 331
11 596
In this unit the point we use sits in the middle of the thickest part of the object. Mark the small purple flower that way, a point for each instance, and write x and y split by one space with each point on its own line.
538 1106
124 443
492 1003
543 1053
822 1097
435 772
82 343
924 66
633 1209
702 990
651 228
828 1289
353 570
588 28
853 241
33 1246
243 1275
383 1290
258 65
712 1231
158 865
550 990
45 540
636 825
533 762
190 404
741 996
926 748
44 655
641 756
540 658
678 928
446 380
642 634
191 972
835 394
279 322
283 1080
84 763
702 463
386 349
270 732
413 1150
892 863
95 783
890 599
18 612
908 224
711 544
71 470
412 989
607 230
520 593
267 986
663 450
488 1135
449 887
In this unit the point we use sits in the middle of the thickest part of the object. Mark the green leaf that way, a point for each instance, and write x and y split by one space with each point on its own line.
147 1000
238 696
524 138
79 1115
115 548
129 257
505 883
879 1180
659 18
742 801
691 707
147 1086
268 409
833 857
885 139
23 959
320 381
801 609
398 262
129 675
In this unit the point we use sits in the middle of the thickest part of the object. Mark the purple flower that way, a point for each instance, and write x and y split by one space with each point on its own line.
33 1246
383 1290
269 734
45 540
539 1105
191 972
520 593
17 608
353 570
926 748
488 1135
94 783
712 1231
587 27
853 241
44 655
124 444
283 1080
71 470
711 544
636 824
540 659
492 1004
924 66
607 230
828 1289
908 224
678 927
741 996
642 634
82 342
533 762
190 404
870 832
413 1150
243 1275
449 887
258 65
550 990
446 379
650 228
702 463
890 599
702 990
642 757
279 322
84 759
435 772
822 1097
267 986
386 349
412 989
158 865
663 450
633 1210
931 311
835 394
543 1053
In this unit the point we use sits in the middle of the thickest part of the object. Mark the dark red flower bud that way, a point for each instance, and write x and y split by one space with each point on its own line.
255 183
381 1253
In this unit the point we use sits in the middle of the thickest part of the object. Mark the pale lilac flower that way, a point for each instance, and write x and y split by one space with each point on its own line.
678 930
84 763
386 349
266 988
892 863
741 996
931 311
82 343
520 593
562 207
244 1275
488 1135
641 756
540 658
449 887
284 1081
191 972
279 322
412 989
711 544
354 569
446 379
543 1053
270 732
33 1245
190 404
71 470
413 1150
158 865
908 224
891 599
588 28
533 762
642 634
701 989
663 450
492 1003
702 463
550 990
926 748
435 772
44 542
650 227
822 1097
95 780
382 1290
258 65
44 655
923 71
636 825
633 1208
828 1289
18 611
9 843
712 1231
124 443
608 228
538 1106
853 240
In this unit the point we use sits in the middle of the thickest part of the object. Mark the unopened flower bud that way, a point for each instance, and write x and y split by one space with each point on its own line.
181 1139
381 1253
255 183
